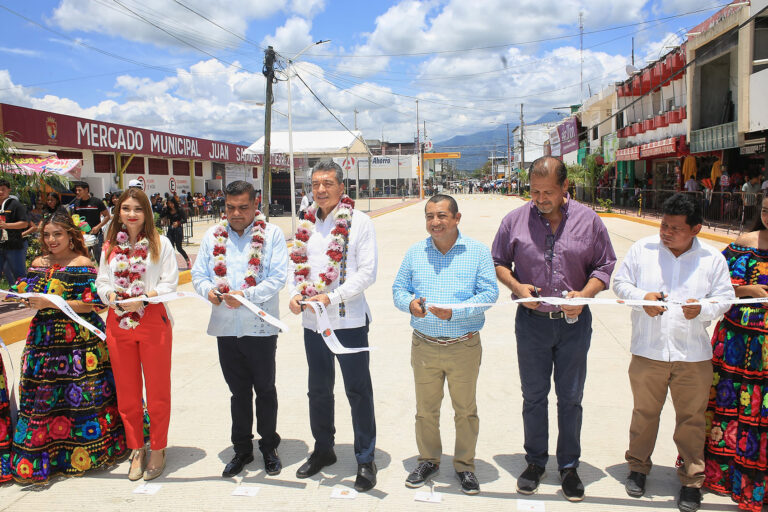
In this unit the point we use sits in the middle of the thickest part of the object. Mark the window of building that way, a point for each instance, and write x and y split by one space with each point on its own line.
198 168
181 168
103 163
761 43
136 166
158 166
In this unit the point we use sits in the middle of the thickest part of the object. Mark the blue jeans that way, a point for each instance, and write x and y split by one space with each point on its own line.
13 264
541 345
357 384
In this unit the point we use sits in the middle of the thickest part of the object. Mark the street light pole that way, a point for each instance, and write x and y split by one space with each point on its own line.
289 71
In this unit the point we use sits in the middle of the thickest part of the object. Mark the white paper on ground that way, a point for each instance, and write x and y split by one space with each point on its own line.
245 490
429 497
343 493
147 489
530 506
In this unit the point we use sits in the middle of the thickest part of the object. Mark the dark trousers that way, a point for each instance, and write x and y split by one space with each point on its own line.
176 236
248 364
541 345
13 264
357 383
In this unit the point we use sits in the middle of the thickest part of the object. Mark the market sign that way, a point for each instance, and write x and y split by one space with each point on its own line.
70 168
627 154
752 149
554 142
32 126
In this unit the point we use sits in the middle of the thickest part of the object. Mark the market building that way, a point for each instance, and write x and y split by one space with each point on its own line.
113 154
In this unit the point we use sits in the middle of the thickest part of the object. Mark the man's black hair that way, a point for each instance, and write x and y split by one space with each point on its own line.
452 206
544 165
82 184
5 183
240 187
681 204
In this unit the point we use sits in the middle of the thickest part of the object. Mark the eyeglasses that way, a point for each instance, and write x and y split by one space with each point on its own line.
549 252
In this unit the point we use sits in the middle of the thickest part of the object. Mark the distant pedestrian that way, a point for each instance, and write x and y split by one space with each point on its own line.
304 204
95 213
174 215
13 222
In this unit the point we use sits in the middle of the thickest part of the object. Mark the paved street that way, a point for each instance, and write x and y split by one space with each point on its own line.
199 434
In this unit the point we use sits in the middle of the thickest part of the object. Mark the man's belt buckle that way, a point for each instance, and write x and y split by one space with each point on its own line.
555 315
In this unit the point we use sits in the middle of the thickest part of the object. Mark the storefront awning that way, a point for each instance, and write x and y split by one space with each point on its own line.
659 147
625 154
45 165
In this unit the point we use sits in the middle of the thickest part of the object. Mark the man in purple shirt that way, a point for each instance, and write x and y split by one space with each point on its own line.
552 247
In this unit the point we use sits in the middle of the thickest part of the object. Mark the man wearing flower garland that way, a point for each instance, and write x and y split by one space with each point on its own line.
244 255
446 268
334 260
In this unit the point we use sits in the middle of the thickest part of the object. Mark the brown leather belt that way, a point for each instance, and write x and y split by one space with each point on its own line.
443 340
552 315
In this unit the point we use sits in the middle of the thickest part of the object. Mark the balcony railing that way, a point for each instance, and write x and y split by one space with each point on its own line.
722 136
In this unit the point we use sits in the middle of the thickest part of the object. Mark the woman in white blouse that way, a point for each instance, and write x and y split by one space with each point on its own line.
137 262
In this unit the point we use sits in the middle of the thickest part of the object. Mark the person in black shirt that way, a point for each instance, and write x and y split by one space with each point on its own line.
95 213
13 222
176 219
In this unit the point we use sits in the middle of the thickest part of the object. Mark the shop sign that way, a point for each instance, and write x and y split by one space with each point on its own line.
626 154
610 147
752 149
568 131
660 147
554 142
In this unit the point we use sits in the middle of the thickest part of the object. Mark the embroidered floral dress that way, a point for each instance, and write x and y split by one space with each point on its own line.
68 421
737 415
5 427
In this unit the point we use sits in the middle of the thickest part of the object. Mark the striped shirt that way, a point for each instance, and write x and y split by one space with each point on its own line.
465 274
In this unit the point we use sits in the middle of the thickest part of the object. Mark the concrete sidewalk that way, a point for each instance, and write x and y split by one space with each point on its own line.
200 423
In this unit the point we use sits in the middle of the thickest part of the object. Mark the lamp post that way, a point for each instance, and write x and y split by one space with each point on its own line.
288 73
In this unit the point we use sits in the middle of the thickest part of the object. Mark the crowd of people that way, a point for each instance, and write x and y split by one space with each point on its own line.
81 385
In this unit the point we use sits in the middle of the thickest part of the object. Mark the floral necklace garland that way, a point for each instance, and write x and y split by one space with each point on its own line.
337 249
129 274
220 237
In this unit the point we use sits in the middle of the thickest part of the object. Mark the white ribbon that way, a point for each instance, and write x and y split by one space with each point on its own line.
60 303
10 387
326 331
582 301
253 308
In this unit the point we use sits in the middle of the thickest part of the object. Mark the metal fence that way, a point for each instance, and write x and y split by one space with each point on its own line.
729 211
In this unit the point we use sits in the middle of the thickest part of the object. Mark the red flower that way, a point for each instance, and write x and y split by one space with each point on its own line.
325 278
298 258
303 272
69 333
60 427
258 238
712 471
348 200
762 455
224 288
103 424
220 270
757 400
219 249
39 436
338 230
254 261
730 435
24 469
110 414
303 236
260 223
3 430
335 255
250 281
310 217
87 296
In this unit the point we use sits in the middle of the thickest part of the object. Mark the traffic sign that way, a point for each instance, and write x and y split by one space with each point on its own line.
441 156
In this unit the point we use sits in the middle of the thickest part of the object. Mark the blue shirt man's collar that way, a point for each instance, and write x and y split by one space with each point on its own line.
459 241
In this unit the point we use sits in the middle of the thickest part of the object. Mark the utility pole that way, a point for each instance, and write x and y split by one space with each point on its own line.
522 139
269 73
509 156
356 112
418 148
581 57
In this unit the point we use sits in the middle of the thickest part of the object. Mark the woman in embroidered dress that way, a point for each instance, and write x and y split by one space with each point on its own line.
5 427
138 262
67 422
737 416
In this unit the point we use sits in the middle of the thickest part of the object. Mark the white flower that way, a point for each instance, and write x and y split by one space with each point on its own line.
121 265
219 258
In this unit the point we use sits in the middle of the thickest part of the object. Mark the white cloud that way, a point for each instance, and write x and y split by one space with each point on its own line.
20 51
290 38
110 19
307 8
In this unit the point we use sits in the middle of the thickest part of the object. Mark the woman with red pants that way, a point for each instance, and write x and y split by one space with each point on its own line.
137 262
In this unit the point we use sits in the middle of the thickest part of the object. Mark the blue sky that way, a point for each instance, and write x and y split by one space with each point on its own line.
470 64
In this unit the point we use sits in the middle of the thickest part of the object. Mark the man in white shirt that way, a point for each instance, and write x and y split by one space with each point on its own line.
341 290
670 345
304 204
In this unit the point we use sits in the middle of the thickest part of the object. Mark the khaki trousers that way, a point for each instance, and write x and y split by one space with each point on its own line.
689 385
460 364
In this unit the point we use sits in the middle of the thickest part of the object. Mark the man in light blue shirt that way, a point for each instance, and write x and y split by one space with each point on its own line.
446 268
246 343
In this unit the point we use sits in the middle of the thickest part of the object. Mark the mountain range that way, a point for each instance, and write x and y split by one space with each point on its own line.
476 148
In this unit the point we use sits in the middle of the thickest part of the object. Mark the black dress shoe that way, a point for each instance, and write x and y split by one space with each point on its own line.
635 484
528 482
366 476
690 499
272 463
316 462
469 483
237 464
423 472
573 489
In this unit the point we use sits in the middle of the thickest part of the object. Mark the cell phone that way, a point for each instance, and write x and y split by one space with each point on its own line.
422 301
535 292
